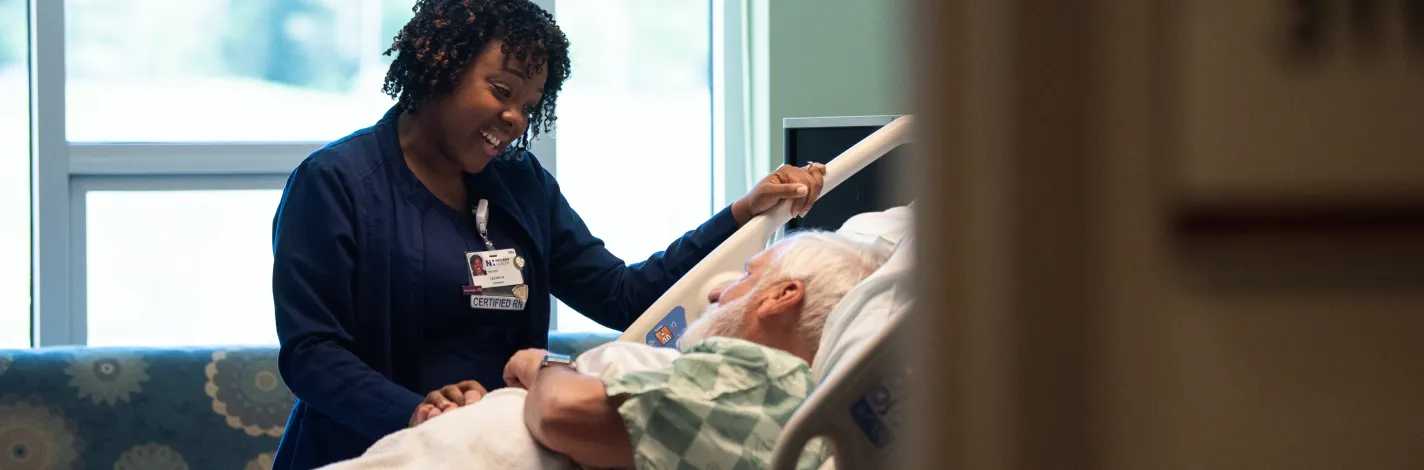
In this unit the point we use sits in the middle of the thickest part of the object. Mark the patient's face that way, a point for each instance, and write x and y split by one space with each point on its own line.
727 320
730 305
751 275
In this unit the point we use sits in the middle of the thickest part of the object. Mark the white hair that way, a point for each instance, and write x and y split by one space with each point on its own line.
829 265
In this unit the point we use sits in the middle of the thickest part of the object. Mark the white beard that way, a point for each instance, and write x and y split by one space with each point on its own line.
726 320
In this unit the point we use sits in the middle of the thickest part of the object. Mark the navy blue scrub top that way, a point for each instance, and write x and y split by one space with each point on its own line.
367 273
462 343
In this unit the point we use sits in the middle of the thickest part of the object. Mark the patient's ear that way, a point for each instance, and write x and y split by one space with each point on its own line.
783 298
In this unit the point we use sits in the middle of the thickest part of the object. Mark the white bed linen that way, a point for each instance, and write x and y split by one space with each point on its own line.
864 312
883 229
867 308
491 434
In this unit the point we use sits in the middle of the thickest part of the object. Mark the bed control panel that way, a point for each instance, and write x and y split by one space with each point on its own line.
668 330
880 412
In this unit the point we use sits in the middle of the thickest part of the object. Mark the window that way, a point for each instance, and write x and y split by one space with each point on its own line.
196 111
182 122
634 137
179 267
220 70
14 175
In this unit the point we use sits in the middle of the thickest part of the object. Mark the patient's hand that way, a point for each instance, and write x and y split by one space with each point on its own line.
523 368
447 398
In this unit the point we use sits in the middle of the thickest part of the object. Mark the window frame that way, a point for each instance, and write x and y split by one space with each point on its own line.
733 165
81 185
62 172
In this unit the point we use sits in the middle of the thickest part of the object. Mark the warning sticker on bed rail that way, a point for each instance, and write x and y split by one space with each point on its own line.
880 412
668 330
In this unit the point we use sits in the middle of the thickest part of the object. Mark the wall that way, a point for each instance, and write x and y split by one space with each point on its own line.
824 58
1082 307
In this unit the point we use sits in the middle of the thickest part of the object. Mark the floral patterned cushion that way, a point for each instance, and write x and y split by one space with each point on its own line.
153 408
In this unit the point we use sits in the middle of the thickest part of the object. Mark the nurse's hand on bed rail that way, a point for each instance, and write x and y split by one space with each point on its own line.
802 185
447 398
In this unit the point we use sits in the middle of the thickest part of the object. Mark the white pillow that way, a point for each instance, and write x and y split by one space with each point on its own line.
868 307
884 229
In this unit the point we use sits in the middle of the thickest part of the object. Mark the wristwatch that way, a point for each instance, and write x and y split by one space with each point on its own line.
554 358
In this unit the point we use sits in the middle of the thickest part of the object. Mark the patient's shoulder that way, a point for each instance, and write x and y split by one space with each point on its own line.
623 357
724 399
718 369
745 354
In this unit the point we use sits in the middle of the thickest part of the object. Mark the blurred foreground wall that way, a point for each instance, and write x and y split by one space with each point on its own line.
1169 235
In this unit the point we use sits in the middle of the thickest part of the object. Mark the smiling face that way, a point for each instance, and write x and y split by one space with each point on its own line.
489 107
473 75
477 265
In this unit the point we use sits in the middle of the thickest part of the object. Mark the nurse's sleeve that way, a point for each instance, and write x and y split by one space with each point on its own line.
589 278
313 246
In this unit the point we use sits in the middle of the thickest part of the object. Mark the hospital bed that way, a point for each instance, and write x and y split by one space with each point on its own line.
861 378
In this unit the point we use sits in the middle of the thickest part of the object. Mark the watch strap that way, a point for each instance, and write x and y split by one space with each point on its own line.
555 358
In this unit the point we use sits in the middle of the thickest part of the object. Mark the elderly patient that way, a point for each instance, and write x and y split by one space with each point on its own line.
719 404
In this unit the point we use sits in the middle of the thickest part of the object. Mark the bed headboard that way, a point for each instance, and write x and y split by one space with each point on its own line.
873 189
662 323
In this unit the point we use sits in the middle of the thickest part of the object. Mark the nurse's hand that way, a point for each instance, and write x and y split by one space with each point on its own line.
523 368
423 413
447 398
802 185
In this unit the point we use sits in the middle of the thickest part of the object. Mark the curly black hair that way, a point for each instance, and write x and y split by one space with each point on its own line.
445 37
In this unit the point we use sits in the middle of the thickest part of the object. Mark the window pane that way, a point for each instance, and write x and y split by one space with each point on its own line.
14 175
176 268
634 137
225 70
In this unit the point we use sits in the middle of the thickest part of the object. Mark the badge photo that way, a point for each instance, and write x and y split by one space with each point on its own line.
477 265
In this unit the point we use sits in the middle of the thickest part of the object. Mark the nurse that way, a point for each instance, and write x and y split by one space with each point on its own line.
414 257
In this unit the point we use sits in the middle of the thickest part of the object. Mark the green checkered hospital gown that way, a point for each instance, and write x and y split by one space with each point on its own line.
719 406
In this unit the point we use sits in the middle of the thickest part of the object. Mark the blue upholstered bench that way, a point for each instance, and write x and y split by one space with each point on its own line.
139 408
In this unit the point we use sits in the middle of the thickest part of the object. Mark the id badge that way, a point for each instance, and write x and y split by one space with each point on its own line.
496 302
500 298
495 268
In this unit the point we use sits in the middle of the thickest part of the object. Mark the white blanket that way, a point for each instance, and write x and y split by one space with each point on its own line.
490 434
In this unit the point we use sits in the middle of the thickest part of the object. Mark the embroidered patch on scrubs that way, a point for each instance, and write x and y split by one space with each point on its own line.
494 268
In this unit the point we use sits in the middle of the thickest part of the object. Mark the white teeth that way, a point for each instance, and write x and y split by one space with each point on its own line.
490 138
